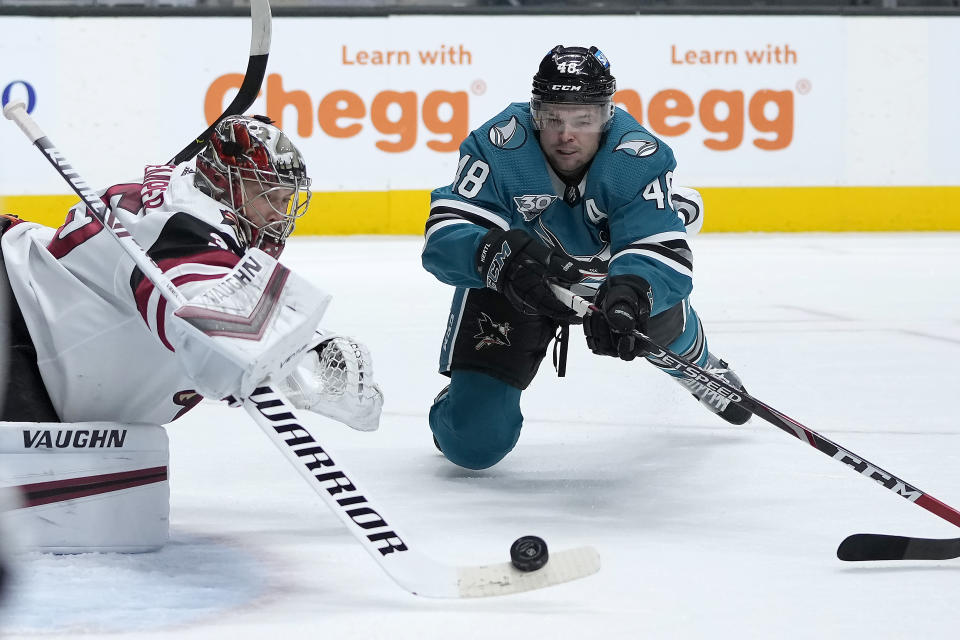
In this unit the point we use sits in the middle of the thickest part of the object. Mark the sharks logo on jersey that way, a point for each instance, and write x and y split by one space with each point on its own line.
530 206
508 134
637 143
492 333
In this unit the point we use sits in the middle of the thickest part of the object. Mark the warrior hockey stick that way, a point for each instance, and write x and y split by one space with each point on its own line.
252 79
415 572
857 547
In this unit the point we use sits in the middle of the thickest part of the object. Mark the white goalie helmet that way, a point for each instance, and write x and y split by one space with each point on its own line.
252 167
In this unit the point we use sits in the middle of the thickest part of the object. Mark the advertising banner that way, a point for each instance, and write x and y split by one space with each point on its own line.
788 113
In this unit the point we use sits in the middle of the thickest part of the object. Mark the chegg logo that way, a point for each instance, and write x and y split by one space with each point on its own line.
445 114
344 114
722 112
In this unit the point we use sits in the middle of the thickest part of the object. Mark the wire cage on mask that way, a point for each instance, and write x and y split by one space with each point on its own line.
251 166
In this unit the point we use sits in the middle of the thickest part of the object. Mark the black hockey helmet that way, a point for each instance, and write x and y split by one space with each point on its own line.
573 75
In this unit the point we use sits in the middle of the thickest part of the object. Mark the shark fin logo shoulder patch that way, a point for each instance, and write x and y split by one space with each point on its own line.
637 143
507 134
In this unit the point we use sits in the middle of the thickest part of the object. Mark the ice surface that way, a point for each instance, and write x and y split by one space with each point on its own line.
705 530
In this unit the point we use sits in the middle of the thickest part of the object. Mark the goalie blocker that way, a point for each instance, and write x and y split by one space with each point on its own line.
87 486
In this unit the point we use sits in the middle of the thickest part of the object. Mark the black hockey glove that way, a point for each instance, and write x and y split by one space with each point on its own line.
624 303
521 268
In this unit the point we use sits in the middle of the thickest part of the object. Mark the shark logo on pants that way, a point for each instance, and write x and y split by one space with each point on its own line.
492 333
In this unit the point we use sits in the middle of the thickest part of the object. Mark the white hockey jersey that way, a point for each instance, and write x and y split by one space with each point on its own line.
96 322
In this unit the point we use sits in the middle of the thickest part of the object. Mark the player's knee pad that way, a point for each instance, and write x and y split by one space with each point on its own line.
88 486
477 422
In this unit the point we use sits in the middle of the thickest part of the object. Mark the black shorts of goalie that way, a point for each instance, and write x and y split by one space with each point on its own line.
22 392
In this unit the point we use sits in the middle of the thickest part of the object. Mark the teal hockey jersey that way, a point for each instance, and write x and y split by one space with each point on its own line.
619 219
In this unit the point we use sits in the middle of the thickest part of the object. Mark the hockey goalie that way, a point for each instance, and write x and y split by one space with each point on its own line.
97 359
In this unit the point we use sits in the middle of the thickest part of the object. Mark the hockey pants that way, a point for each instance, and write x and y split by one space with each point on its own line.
477 421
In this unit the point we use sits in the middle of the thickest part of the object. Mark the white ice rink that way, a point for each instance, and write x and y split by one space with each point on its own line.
704 530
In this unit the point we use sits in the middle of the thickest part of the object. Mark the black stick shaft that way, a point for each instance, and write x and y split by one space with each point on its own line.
667 359
252 79
785 423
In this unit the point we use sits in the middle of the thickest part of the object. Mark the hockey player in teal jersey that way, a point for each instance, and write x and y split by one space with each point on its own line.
564 189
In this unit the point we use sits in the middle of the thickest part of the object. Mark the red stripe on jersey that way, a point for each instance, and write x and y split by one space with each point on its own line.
162 305
194 277
161 325
213 258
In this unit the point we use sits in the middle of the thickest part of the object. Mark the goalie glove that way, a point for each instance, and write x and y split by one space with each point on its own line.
335 379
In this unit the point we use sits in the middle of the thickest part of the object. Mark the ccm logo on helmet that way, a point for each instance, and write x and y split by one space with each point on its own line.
566 87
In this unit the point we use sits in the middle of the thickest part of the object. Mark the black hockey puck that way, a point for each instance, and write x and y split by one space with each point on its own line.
529 553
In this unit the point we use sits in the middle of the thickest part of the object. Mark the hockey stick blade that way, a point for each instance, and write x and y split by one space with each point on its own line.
862 547
374 530
252 78
503 579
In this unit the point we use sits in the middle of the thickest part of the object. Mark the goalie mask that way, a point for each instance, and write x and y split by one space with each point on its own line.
573 88
252 167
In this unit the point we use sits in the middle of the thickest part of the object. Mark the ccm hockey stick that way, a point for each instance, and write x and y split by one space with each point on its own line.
252 79
412 570
862 546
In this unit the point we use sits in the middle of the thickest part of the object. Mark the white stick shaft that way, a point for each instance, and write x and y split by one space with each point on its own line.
580 306
417 573
17 112
260 35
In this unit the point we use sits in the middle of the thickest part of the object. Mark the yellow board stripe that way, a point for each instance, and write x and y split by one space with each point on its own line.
726 209
831 208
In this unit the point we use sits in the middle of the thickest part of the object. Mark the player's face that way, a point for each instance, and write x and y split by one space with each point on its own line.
264 204
570 135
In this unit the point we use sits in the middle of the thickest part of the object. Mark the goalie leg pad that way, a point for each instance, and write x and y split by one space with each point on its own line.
87 486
